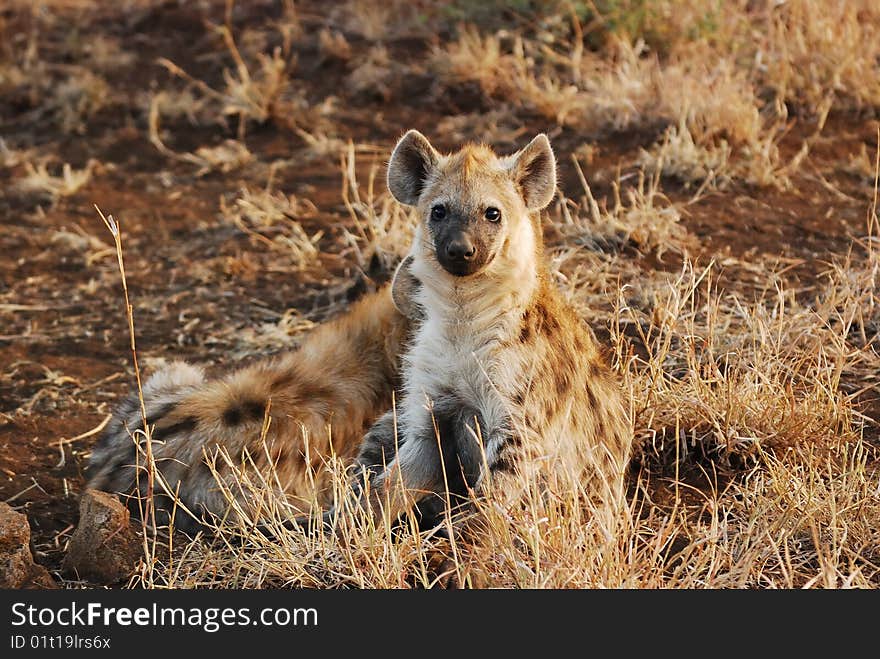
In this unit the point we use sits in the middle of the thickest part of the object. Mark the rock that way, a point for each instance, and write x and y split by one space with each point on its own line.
104 548
17 567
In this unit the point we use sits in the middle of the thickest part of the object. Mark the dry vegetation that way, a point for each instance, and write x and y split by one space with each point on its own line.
717 226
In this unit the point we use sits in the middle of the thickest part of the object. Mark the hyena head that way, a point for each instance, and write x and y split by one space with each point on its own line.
476 209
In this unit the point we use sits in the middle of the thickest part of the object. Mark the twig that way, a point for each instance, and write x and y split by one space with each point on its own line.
24 307
27 489
113 227
88 433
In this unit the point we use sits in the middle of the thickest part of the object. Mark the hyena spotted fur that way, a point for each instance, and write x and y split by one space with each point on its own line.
328 391
501 373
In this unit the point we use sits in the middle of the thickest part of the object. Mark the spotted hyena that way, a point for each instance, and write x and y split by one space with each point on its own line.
501 375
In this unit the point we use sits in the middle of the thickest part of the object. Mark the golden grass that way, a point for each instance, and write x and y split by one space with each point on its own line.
273 218
67 182
251 93
641 216
751 469
817 49
382 227
717 67
797 522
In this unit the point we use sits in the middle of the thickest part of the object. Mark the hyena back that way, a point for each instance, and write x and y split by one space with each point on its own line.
501 374
286 416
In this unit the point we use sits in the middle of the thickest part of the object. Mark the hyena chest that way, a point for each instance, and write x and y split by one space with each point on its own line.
451 366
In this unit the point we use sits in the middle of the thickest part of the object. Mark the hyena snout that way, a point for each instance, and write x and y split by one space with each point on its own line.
459 253
461 248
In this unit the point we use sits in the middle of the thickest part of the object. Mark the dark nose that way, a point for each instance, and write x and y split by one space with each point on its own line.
461 248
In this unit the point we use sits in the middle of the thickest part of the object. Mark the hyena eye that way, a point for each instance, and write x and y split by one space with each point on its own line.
438 212
493 214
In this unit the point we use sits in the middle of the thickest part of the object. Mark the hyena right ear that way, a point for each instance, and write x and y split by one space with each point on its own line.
534 170
411 163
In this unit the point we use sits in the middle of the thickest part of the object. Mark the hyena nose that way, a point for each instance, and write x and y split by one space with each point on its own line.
461 249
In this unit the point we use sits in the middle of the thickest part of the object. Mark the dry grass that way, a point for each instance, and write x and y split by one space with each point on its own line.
378 20
797 522
710 80
67 182
751 469
383 228
224 157
273 219
251 93
645 219
816 49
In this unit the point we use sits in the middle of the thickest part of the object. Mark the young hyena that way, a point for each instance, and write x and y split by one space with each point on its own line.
318 401
501 374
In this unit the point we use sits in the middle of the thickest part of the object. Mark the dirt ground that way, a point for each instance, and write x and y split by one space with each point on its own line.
202 288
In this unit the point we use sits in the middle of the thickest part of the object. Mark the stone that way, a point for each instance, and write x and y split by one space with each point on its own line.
104 548
17 567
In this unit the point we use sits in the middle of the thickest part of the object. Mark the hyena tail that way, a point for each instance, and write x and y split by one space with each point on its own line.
118 459
111 465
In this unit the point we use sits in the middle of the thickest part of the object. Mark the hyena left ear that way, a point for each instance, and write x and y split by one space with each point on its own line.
404 287
534 171
411 163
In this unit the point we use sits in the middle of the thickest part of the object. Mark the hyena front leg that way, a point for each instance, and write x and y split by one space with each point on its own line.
441 460
397 466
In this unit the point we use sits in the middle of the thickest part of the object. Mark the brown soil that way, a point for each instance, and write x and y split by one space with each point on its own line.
195 283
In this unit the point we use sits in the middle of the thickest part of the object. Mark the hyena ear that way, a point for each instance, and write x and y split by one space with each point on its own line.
411 163
534 171
404 287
